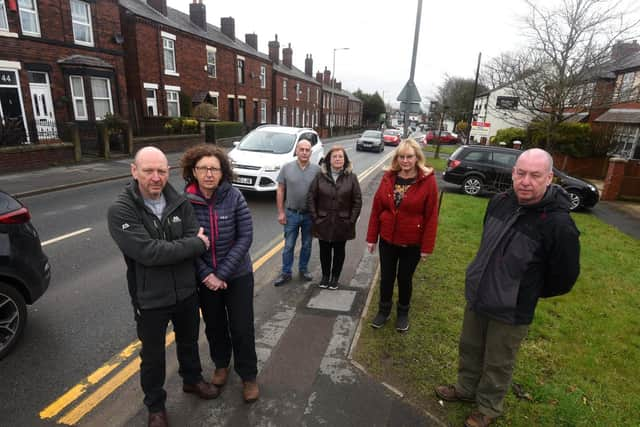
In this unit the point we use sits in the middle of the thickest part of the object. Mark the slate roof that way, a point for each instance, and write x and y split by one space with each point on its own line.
620 115
182 22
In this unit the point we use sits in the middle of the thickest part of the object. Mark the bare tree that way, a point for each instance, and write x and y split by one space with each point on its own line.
457 94
568 44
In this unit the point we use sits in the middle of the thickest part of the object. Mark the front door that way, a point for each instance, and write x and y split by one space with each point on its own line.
12 131
43 111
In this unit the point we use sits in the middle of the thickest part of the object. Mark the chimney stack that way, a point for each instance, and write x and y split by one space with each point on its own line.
159 5
274 50
198 14
228 27
327 76
621 49
319 76
252 40
287 54
338 85
308 65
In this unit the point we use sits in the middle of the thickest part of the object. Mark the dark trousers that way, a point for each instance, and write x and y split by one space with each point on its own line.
152 328
228 316
397 262
488 350
329 250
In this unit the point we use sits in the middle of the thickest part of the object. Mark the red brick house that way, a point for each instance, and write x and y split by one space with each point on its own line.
171 55
339 107
60 61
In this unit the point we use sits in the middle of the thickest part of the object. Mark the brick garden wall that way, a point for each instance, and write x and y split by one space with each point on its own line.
30 157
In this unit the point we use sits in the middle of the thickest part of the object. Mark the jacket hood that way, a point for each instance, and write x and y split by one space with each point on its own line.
555 199
346 169
170 194
192 192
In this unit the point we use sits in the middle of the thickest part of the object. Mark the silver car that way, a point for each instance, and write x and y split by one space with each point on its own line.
371 140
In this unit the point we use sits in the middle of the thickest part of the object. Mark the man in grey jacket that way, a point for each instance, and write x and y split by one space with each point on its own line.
155 228
529 250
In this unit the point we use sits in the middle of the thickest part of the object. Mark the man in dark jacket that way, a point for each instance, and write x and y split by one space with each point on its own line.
529 250
157 232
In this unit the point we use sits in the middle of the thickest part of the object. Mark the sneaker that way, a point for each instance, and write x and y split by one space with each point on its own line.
333 286
324 282
306 276
282 279
402 323
379 321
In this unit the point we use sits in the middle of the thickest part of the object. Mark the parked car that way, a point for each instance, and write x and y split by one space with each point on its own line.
370 140
445 137
392 136
478 167
258 157
24 270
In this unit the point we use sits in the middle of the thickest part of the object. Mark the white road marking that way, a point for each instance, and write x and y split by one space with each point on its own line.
66 236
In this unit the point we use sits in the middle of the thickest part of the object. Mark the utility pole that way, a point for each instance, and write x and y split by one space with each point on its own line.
409 97
473 101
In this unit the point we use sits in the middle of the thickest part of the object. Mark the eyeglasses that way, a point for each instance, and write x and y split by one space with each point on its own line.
207 169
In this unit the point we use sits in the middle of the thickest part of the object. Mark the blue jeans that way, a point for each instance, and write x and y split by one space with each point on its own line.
296 221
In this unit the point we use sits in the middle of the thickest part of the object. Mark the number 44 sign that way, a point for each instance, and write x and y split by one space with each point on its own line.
7 78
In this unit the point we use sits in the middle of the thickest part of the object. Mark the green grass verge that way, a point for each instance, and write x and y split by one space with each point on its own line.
581 360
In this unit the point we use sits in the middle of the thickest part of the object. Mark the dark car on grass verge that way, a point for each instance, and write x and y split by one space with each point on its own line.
477 168
371 140
24 270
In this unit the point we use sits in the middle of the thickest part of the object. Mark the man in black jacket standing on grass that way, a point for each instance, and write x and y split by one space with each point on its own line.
155 228
529 250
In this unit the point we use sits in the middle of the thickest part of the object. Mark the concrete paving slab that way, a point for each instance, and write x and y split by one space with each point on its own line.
339 300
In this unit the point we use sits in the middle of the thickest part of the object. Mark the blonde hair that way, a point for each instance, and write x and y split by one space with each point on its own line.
406 145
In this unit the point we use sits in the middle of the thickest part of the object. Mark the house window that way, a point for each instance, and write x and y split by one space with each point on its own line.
308 93
240 70
211 61
4 24
317 95
284 116
29 17
627 139
101 93
173 103
81 18
169 52
152 102
263 77
626 86
79 101
263 111
284 89
297 91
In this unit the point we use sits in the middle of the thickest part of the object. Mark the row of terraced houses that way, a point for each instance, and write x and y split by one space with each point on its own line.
75 61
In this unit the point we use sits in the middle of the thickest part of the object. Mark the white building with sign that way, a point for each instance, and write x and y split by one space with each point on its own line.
497 109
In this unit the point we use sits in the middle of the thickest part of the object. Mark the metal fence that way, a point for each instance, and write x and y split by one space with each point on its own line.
13 133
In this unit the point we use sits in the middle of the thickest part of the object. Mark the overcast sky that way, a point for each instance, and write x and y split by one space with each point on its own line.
379 35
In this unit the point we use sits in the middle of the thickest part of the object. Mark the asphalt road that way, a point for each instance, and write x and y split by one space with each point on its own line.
85 318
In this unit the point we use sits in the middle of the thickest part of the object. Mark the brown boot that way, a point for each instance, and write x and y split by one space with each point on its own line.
250 391
203 390
478 419
450 394
220 377
158 419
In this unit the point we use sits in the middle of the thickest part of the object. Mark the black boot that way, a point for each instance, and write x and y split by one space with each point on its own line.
402 321
324 282
333 283
384 310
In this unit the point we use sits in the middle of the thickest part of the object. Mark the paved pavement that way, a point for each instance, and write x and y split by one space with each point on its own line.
307 375
314 383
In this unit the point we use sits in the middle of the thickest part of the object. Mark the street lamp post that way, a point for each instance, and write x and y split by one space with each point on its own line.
333 79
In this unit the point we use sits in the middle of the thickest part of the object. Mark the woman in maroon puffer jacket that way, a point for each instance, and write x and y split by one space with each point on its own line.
405 216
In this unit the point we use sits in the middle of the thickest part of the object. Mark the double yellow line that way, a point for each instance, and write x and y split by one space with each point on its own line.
81 409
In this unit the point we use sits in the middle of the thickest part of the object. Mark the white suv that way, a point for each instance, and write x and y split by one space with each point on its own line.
258 157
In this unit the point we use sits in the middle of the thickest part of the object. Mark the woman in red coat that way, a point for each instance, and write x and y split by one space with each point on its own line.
405 216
